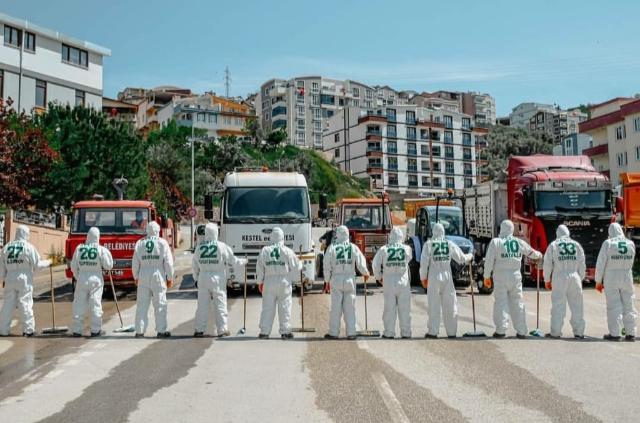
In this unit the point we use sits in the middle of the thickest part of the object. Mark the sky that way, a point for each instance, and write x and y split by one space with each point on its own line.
566 52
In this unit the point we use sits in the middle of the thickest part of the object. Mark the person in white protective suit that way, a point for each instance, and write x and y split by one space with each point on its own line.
391 268
340 263
18 262
614 275
275 264
153 271
210 262
435 274
87 264
564 269
502 268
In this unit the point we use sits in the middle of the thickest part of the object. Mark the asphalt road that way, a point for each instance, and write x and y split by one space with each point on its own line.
118 378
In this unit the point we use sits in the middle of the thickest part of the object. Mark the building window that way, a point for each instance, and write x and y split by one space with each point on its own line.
411 132
315 87
411 118
356 92
317 126
621 132
412 165
30 42
12 36
327 99
392 163
80 97
368 94
448 137
466 138
392 147
300 138
468 182
213 118
280 110
636 124
424 165
448 167
299 98
424 150
315 100
425 181
336 137
411 149
317 113
638 153
448 122
391 131
436 167
75 56
300 124
451 182
413 180
300 110
393 179
466 153
41 93
391 115
1 83
622 159
336 153
437 183
448 152
300 84
467 169
466 123
435 151
317 140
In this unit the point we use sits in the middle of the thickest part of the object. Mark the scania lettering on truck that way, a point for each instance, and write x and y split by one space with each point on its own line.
541 193
122 223
253 203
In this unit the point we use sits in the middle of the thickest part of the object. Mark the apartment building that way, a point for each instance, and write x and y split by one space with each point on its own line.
520 116
557 124
39 66
120 110
480 106
218 115
150 101
405 148
573 145
615 128
303 105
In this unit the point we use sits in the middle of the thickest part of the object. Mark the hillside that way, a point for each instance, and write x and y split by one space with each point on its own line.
322 176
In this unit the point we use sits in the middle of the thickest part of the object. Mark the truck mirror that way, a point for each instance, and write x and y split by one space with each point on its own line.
323 214
619 204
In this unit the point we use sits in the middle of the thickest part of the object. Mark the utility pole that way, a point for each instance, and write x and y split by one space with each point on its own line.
227 81
193 189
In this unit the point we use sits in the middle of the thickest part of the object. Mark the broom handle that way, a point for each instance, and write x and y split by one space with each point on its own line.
301 295
366 324
537 297
473 299
244 306
53 298
115 298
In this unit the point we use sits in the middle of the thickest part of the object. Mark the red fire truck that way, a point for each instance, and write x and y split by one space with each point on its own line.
541 193
122 223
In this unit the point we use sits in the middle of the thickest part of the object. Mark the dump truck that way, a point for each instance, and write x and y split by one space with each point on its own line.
630 207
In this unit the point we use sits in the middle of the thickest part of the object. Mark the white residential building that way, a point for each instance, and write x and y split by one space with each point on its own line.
405 148
302 105
40 65
520 115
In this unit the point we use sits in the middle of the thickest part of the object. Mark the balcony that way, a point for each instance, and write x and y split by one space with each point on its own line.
412 168
412 152
374 168
429 123
598 150
468 172
411 121
467 157
374 152
411 136
392 134
371 117
393 182
393 150
393 166
391 118
413 184
373 136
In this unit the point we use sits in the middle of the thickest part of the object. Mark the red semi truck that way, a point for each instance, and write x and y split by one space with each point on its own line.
541 193
122 223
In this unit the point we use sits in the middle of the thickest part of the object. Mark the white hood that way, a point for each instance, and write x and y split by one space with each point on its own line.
562 232
395 237
22 233
211 232
277 236
153 229
93 236
615 230
342 234
438 231
506 228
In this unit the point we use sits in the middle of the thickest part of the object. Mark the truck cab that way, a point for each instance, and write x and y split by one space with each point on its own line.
253 203
122 223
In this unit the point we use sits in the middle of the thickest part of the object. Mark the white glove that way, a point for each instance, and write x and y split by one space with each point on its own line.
468 258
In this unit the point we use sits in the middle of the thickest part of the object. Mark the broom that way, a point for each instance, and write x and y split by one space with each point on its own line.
54 330
536 332
475 333
122 327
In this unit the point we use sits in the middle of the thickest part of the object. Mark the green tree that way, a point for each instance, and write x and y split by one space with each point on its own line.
504 142
254 131
25 158
93 150
275 138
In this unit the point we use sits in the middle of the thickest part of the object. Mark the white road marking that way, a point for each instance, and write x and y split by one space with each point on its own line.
86 353
71 362
100 345
5 345
389 398
54 374
363 345
32 387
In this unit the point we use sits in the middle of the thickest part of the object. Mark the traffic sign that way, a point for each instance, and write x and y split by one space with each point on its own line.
193 212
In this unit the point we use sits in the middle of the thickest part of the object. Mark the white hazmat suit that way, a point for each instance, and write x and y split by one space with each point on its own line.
152 267
87 264
391 267
18 262
564 267
502 263
275 264
210 262
613 269
435 267
340 262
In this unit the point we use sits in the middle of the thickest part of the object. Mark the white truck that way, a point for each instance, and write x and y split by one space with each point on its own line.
255 202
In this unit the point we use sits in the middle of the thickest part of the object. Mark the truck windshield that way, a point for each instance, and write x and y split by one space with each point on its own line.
111 221
574 201
266 205
450 218
365 217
